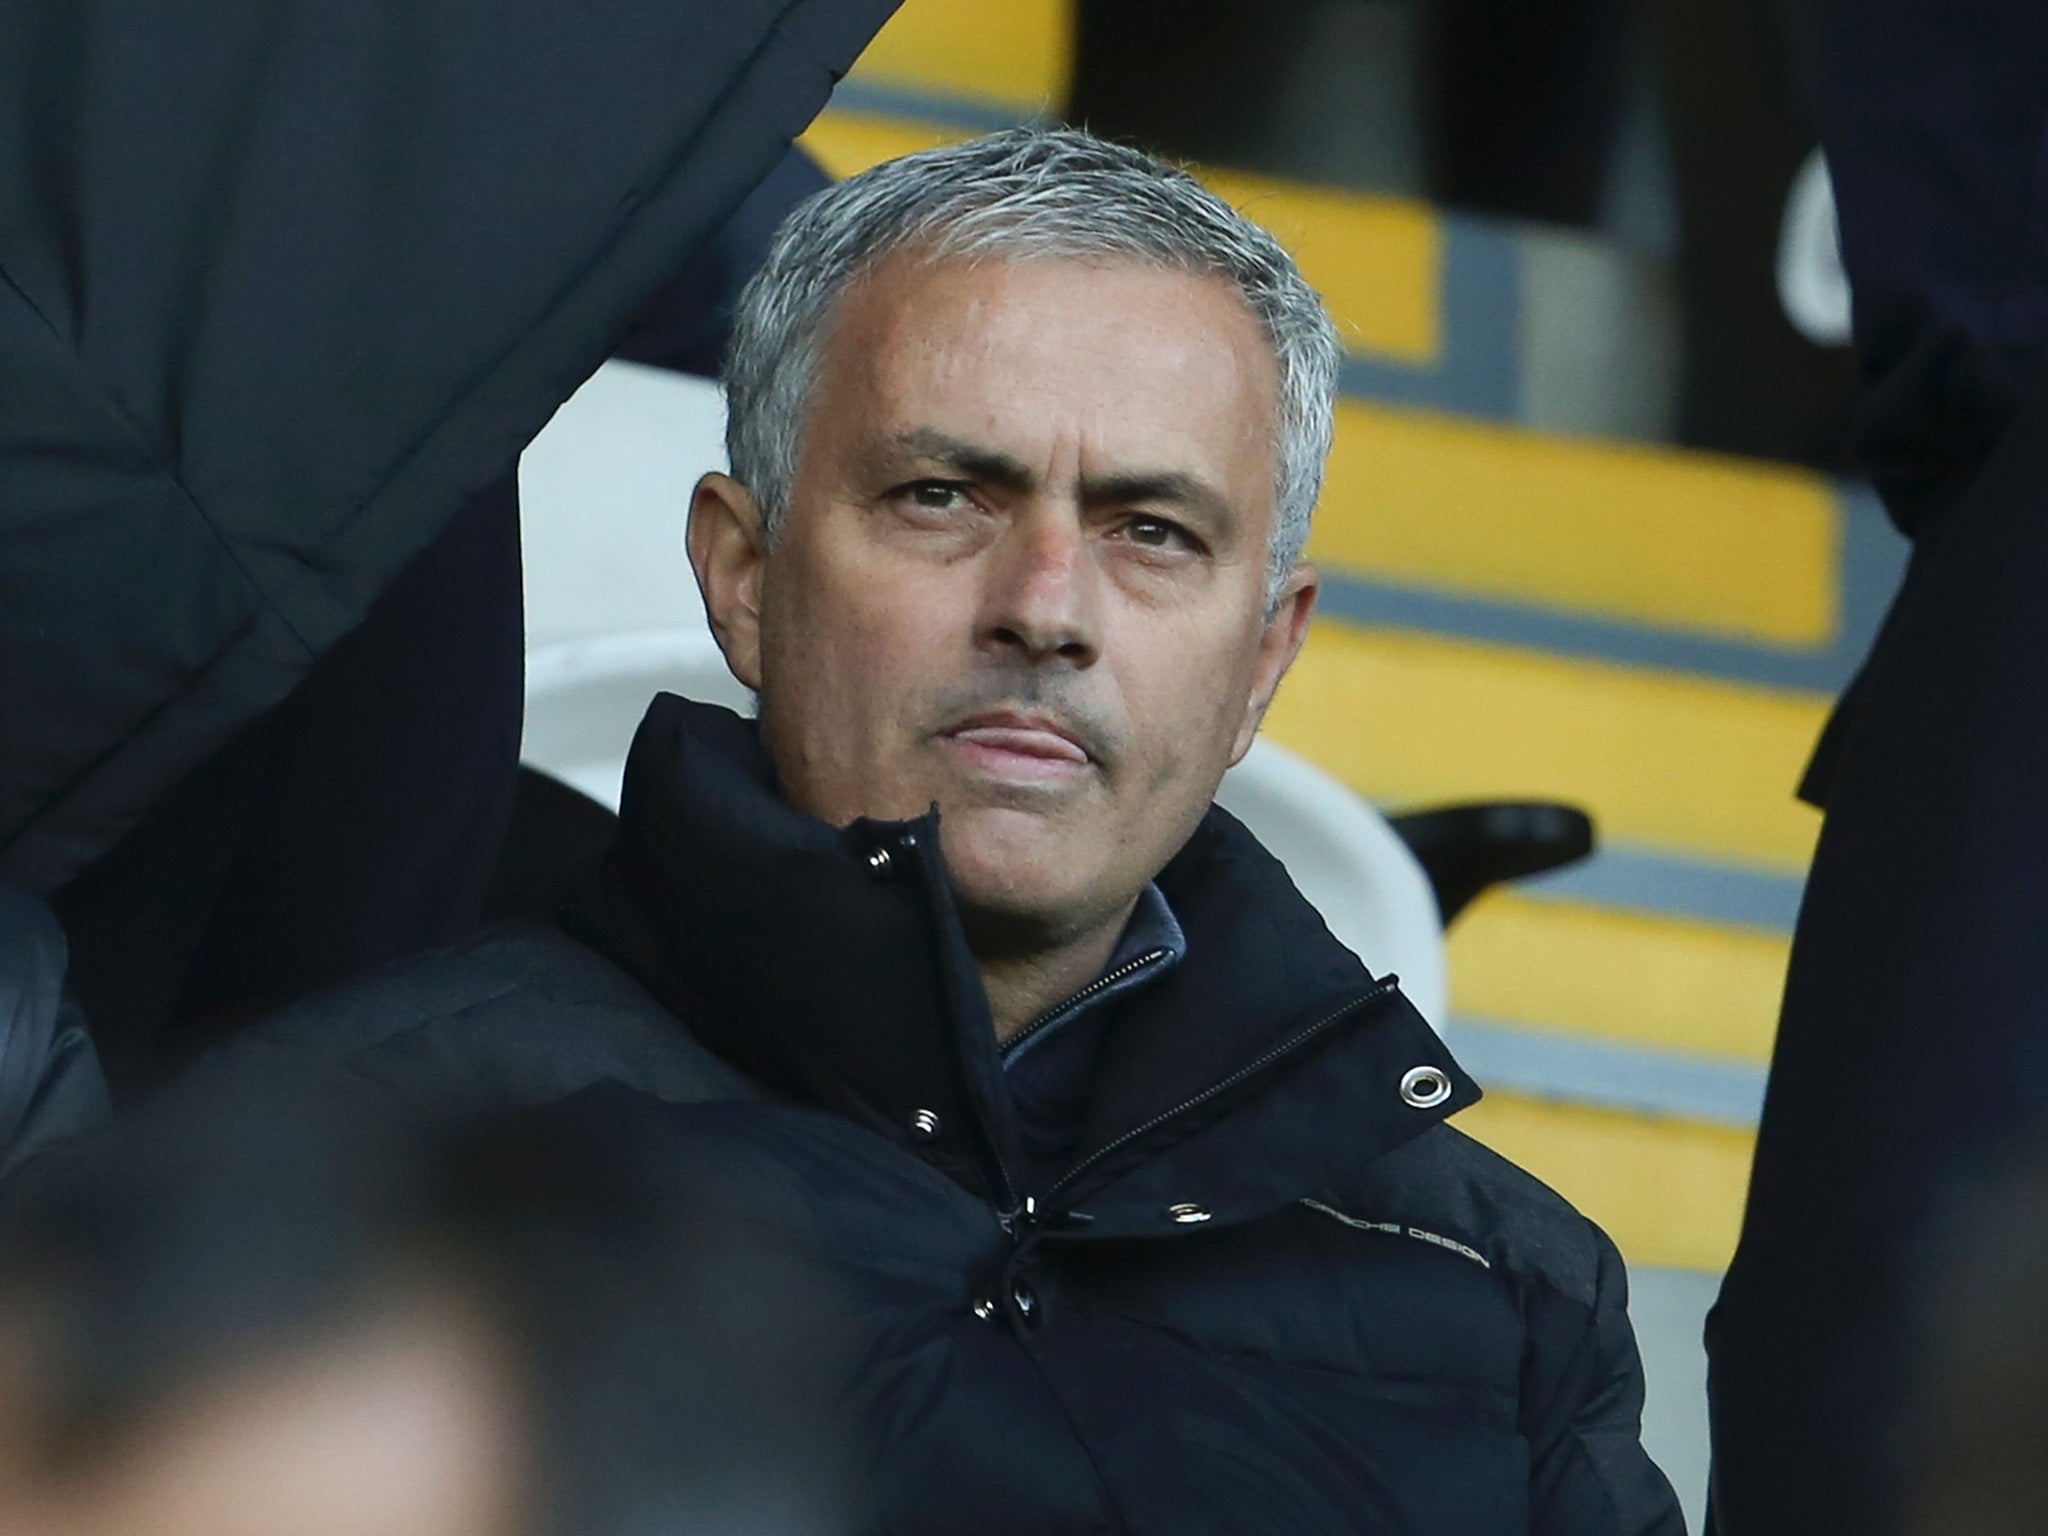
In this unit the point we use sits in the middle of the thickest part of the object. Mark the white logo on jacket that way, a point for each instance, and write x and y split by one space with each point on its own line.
1395 1229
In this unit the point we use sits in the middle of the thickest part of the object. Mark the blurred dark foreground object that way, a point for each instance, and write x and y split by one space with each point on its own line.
1983 1402
267 378
358 820
353 823
289 1314
285 286
50 1082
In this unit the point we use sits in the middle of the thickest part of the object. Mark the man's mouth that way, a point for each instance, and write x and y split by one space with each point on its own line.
1019 746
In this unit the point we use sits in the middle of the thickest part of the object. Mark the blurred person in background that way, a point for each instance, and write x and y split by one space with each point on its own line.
1137 1182
296 1315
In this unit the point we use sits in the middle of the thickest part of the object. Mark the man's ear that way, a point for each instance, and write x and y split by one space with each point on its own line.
1279 643
728 551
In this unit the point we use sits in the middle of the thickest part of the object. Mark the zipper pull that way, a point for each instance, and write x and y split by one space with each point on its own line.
1020 1220
1026 1223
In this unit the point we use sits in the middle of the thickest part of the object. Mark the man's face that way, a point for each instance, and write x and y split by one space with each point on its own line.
1022 573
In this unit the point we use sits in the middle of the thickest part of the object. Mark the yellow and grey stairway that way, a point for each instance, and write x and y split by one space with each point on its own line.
1516 609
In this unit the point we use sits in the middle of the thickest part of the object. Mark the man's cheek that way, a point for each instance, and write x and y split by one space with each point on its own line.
915 630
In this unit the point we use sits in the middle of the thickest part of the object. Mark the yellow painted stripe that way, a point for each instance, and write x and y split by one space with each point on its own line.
1012 53
1669 759
1376 260
1669 1192
1652 535
1628 976
846 143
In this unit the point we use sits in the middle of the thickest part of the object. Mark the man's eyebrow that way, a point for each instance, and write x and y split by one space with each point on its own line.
989 465
1172 487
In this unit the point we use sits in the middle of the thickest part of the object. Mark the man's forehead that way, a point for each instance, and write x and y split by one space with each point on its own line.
1142 360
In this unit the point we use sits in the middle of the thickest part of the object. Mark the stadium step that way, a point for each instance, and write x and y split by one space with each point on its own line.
1690 765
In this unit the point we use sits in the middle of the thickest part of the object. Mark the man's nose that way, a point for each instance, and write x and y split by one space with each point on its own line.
1039 598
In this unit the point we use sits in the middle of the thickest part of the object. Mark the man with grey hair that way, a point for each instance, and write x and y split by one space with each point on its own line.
1136 1184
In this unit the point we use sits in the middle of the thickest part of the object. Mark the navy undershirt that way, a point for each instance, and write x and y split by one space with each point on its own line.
1051 1066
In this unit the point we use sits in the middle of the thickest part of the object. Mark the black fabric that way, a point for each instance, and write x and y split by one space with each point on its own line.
1910 1057
50 1082
1268 1294
281 287
685 326
360 819
355 822
555 833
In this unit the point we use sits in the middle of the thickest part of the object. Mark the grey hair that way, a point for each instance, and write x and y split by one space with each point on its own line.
1019 193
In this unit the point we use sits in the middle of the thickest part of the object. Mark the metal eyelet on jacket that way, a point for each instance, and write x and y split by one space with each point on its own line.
1425 1087
879 860
1187 1213
984 1309
924 1124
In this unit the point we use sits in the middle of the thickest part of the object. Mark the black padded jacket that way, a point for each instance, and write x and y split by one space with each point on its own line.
1274 1291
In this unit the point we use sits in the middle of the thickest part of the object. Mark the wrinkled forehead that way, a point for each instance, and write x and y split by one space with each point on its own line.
1117 361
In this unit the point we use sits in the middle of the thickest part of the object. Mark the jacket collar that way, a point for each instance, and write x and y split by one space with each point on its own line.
830 963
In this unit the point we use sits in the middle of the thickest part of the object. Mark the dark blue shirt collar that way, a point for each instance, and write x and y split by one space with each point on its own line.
1152 944
1050 1068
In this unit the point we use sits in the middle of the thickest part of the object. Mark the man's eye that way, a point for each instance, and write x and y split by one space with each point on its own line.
935 495
1157 533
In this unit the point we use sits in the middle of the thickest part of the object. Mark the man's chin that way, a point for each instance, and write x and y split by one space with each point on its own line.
1017 866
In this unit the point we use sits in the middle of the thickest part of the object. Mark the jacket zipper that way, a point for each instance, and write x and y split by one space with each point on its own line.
1100 984
1251 1068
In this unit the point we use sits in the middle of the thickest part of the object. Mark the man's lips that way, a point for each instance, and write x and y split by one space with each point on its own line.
1018 746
